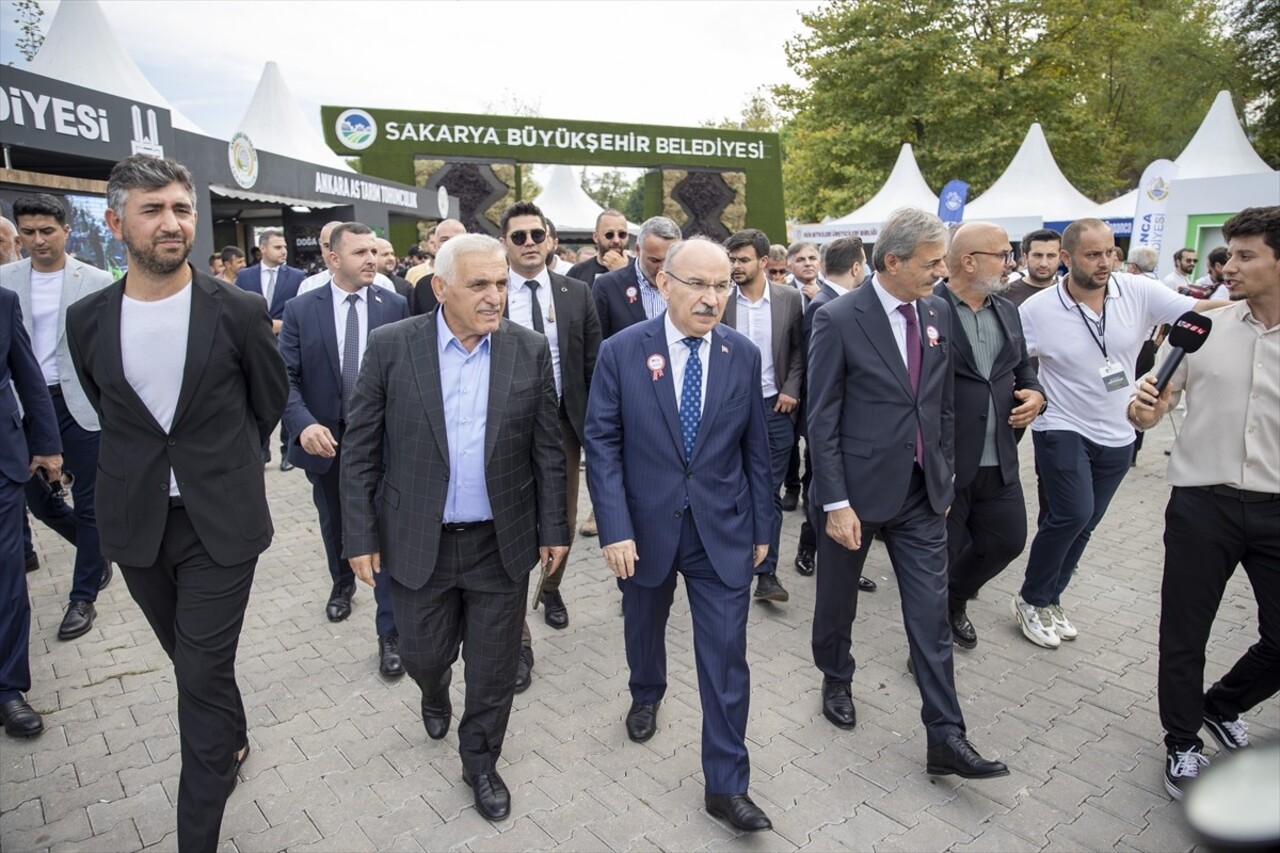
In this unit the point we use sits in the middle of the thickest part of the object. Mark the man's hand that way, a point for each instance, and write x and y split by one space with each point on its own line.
613 260
552 556
52 466
366 566
758 555
844 527
1147 408
786 404
621 558
1026 411
318 441
810 290
277 325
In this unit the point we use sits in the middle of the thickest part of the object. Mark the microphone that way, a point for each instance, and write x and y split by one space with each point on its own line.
1188 334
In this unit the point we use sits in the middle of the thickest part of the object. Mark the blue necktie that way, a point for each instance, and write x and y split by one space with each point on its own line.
691 397
350 353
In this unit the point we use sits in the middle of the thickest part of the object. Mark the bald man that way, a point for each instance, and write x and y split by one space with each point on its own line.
996 392
387 261
423 300
8 242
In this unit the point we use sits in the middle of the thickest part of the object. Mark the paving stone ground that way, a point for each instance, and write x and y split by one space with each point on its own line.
341 763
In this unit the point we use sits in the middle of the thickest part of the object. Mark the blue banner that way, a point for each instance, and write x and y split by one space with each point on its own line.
951 201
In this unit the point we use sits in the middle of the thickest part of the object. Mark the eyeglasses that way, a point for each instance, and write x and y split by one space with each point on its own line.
537 235
619 235
1008 256
720 288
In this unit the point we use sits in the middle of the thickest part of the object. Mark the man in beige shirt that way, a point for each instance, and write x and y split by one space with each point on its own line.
1225 505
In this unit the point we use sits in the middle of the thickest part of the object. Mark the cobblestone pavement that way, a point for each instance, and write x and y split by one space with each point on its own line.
340 760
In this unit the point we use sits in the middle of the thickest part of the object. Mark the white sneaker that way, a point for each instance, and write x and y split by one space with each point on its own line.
1181 769
1066 631
1036 623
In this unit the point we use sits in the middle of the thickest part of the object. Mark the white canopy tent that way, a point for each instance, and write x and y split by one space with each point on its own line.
274 122
905 187
567 204
82 49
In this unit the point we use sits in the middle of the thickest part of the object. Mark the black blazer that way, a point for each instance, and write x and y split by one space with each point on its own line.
402 285
423 299
233 393
20 379
396 441
1011 371
824 295
615 308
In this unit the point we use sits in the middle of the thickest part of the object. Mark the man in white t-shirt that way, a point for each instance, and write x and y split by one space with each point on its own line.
1086 331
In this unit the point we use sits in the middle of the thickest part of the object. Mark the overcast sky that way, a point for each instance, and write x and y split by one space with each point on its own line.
675 62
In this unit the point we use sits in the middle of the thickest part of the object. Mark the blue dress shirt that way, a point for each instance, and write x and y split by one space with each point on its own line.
464 384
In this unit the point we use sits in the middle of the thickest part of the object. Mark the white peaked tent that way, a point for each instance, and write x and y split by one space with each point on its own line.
82 49
1218 149
905 187
1032 187
274 122
567 204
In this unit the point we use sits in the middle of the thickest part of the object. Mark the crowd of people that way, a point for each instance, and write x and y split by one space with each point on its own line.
442 407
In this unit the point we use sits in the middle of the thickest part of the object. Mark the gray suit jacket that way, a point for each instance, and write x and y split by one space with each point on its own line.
78 281
787 312
396 444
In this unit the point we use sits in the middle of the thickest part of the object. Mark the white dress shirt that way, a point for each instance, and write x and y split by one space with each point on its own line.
755 320
520 309
897 323
340 310
679 352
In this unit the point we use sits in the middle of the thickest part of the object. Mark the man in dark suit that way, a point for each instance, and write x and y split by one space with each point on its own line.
276 282
630 294
560 308
611 238
29 447
387 262
423 300
882 436
682 486
454 423
322 339
185 376
770 315
996 392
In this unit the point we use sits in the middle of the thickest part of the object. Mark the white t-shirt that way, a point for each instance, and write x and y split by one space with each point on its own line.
46 299
1070 346
153 350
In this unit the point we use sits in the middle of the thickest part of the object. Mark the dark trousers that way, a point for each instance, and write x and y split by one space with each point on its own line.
719 615
1079 478
917 542
80 458
324 492
15 608
986 531
1205 536
782 440
469 601
196 609
573 466
794 481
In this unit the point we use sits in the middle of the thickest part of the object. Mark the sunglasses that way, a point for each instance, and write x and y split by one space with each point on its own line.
620 235
537 235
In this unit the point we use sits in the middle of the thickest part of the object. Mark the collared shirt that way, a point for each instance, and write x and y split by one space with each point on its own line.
755 320
464 385
897 323
1175 280
986 339
269 286
1069 347
679 352
520 309
654 304
46 303
1231 433
340 310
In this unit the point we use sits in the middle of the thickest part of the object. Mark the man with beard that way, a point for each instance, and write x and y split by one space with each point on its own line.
1087 331
1213 284
184 374
387 262
232 263
611 247
8 242
1040 251
996 392
1184 264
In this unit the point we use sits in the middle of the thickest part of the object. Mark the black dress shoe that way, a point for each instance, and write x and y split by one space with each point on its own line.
285 464
524 669
866 584
20 719
837 704
493 800
33 562
389 656
768 588
805 562
956 755
739 811
642 721
437 710
339 606
963 633
77 621
790 500
108 572
554 611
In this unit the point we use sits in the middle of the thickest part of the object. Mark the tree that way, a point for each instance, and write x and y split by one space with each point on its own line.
1257 27
758 113
608 187
29 13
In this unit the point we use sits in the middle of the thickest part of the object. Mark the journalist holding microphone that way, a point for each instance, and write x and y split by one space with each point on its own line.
1225 505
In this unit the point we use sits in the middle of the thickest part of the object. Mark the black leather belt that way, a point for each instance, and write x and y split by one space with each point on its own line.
463 526
55 390
1242 495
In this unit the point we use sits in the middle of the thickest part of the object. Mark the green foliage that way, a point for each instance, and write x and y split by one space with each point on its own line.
1257 27
758 113
607 187
28 20
1115 84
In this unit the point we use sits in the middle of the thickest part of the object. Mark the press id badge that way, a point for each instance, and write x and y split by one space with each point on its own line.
1113 378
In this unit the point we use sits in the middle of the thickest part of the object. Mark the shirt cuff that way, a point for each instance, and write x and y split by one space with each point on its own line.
835 506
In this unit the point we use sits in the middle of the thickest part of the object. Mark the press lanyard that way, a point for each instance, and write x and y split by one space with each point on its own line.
1100 338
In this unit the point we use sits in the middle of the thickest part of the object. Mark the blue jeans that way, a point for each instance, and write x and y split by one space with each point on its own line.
1079 478
782 437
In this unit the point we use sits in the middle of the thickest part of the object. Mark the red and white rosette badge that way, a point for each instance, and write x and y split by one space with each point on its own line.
931 332
656 364
632 294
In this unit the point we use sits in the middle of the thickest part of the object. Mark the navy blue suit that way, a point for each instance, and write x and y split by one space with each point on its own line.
309 345
287 280
614 307
699 516
20 438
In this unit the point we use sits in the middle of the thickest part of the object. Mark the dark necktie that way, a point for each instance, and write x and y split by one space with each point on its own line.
532 284
350 353
914 353
691 397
